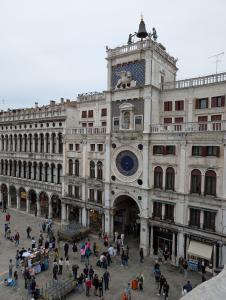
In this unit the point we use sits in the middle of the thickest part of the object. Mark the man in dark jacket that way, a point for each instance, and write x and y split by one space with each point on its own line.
106 278
66 248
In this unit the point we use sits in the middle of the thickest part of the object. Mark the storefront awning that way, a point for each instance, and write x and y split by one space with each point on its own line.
200 249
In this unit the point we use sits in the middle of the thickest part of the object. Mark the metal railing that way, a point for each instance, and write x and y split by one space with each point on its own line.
194 82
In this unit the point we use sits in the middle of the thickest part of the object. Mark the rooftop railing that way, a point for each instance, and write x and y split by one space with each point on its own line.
189 127
86 131
194 82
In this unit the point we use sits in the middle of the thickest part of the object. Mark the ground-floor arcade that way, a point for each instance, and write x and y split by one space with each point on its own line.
33 201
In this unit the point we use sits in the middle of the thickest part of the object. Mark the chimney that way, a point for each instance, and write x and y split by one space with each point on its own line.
36 104
68 100
62 100
52 102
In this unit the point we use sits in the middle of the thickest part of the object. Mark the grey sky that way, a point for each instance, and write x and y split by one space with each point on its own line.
56 48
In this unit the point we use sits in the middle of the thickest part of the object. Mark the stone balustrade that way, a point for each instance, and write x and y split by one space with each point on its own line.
195 82
86 131
189 127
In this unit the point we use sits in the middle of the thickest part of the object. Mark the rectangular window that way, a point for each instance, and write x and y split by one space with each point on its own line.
104 124
77 147
99 196
138 122
103 112
84 114
77 195
92 147
169 212
168 106
196 150
179 120
216 125
91 195
203 123
90 113
100 147
158 149
84 124
70 147
70 191
179 105
194 217
167 120
116 124
209 220
90 124
157 210
201 103
212 151
170 150
218 101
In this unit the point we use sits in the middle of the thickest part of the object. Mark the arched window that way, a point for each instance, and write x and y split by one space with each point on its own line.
20 143
15 143
60 141
46 172
35 171
6 143
47 143
59 174
14 168
53 143
210 183
40 171
41 143
24 169
19 168
3 145
92 169
76 167
6 167
25 143
29 169
196 180
70 167
10 143
158 177
36 142
53 173
99 170
10 167
170 179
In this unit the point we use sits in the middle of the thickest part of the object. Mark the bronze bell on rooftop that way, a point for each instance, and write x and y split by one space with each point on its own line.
142 33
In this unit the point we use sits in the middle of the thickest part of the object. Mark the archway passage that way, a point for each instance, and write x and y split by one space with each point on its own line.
56 207
44 204
73 214
23 198
126 216
32 196
13 196
4 191
95 220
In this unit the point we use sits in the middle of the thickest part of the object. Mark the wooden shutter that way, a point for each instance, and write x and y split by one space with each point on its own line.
213 101
170 105
222 101
204 150
202 119
218 151
167 120
197 103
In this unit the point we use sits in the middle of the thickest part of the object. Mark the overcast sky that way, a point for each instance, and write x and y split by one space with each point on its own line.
56 48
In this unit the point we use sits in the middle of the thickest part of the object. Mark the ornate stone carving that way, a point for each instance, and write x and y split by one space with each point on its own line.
125 80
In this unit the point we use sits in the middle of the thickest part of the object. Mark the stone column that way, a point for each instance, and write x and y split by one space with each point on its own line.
163 211
50 208
80 215
214 256
50 144
63 213
202 184
108 223
33 144
84 217
38 208
17 201
45 142
27 205
151 240
145 165
180 244
144 235
201 219
57 144
67 213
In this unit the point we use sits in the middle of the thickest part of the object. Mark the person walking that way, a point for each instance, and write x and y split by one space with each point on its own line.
80 283
95 284
15 277
74 249
7 218
17 238
66 248
88 283
17 257
67 263
166 254
86 271
75 271
166 290
185 267
141 255
10 268
106 277
28 230
55 271
91 273
140 279
61 261
128 292
101 292
33 243
161 283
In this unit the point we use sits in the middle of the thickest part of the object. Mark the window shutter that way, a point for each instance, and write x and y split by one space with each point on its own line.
204 150
213 102
182 105
170 106
164 150
222 101
218 151
196 103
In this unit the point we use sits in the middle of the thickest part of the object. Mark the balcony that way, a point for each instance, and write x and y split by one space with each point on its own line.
189 127
86 131
195 82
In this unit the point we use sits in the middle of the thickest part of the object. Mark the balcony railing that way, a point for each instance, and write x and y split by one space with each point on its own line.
189 127
194 82
86 131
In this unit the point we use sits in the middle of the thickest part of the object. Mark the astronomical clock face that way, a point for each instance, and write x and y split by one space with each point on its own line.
127 163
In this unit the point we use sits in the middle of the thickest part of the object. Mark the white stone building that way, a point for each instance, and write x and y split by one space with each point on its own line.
145 157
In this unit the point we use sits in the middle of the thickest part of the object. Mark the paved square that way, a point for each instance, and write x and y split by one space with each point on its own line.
119 276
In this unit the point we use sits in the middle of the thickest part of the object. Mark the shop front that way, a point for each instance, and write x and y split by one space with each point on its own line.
164 238
201 251
95 220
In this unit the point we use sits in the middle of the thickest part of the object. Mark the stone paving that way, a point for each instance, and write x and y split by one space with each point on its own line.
119 276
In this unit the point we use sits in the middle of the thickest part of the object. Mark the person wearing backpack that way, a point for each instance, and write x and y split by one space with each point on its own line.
74 249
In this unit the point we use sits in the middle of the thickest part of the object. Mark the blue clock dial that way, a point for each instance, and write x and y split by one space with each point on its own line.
127 163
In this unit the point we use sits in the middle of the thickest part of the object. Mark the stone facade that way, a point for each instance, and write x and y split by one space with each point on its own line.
145 157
